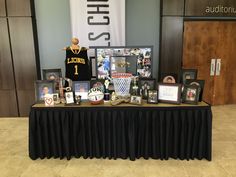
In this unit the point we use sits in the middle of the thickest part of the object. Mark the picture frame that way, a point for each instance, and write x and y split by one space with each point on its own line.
42 88
188 74
152 97
200 83
169 93
146 84
191 94
135 99
48 100
136 60
169 78
69 98
52 74
56 98
81 88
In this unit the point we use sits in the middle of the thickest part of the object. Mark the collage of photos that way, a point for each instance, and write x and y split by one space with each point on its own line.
136 61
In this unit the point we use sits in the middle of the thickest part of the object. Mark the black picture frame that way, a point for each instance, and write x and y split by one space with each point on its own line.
52 74
146 84
200 83
152 97
188 74
81 88
141 54
191 94
169 93
43 87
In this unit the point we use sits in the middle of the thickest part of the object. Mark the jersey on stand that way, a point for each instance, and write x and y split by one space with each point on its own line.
77 64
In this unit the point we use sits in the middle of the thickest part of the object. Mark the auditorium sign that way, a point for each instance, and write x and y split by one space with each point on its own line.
211 8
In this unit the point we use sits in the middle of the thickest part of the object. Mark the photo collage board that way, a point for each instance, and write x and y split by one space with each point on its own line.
134 60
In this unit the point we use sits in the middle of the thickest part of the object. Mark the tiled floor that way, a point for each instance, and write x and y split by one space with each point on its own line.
14 160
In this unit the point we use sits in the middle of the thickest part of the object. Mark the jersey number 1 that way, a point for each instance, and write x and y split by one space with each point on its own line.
76 70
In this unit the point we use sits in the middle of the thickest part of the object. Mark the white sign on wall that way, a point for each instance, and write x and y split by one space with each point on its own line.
98 22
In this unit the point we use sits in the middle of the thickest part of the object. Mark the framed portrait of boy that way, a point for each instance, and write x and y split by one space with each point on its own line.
199 83
42 88
152 97
191 94
81 88
169 93
146 84
187 74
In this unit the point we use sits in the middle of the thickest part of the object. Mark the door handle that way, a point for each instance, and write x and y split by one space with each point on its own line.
213 67
218 67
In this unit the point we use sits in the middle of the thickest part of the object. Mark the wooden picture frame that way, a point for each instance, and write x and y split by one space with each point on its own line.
152 97
81 88
146 84
191 94
135 99
188 74
200 83
169 93
43 87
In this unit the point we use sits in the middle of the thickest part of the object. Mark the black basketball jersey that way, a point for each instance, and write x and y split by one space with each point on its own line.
77 64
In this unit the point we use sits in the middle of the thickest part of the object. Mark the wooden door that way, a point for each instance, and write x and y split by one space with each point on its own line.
207 40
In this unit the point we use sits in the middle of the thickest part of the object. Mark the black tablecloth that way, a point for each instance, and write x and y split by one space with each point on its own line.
182 132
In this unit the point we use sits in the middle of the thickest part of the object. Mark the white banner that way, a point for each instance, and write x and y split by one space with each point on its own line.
98 22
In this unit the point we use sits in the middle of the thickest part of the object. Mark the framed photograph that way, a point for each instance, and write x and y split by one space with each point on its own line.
52 74
134 99
152 97
134 60
199 83
169 78
169 93
69 97
81 88
42 88
191 94
188 74
146 84
56 98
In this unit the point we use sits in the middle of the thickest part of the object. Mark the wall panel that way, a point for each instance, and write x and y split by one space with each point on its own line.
26 99
173 7
2 8
171 45
23 50
8 104
6 70
19 7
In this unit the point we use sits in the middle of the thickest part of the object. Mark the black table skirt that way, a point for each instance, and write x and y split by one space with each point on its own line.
121 132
